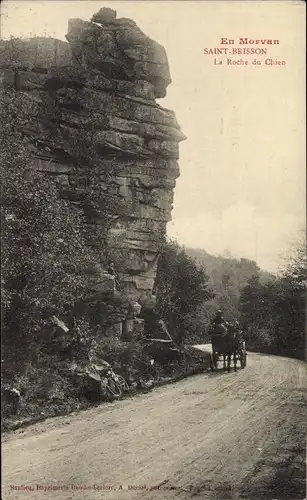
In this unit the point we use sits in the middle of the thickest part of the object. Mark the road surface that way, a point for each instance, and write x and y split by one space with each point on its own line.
212 436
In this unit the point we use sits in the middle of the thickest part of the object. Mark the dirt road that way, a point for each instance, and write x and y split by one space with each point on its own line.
211 436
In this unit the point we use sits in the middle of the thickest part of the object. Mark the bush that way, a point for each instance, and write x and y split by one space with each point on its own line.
128 359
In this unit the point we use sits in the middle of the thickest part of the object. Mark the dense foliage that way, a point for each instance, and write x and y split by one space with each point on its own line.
273 313
182 290
43 251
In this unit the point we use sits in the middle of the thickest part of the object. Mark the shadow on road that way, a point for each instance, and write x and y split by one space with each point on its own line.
220 371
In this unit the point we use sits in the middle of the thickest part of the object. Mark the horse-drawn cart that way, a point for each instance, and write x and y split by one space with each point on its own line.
230 346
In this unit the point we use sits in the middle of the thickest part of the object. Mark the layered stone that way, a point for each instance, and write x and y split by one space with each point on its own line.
99 90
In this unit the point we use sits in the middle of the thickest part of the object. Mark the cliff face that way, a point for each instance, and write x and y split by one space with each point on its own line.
103 135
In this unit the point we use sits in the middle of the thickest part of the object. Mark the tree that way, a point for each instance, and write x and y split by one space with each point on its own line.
228 276
181 288
274 312
251 302
295 267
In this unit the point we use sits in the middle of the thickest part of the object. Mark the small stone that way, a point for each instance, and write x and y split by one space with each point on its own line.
104 15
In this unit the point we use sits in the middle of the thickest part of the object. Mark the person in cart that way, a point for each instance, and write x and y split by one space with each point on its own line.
218 324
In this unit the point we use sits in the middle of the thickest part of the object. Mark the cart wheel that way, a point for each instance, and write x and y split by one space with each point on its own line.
235 360
243 360
113 388
211 362
122 383
215 360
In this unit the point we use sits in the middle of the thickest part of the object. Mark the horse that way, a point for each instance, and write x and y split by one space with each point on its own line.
227 341
232 347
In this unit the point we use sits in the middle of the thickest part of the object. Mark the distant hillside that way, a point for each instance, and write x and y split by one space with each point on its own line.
217 266
227 277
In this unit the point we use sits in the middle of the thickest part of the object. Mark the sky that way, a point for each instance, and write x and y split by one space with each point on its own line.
242 187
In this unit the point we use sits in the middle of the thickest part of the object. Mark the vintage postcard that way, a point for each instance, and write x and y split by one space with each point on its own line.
153 249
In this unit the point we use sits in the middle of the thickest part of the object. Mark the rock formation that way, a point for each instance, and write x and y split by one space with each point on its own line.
102 131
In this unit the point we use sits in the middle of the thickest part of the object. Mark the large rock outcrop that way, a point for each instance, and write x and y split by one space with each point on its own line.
101 132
